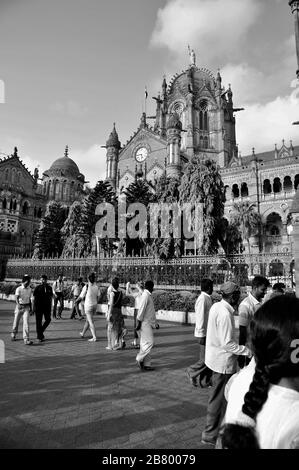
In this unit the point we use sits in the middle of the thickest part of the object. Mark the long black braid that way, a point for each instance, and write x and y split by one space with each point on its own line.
274 326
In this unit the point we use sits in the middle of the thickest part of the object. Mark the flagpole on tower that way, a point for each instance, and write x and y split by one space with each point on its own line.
145 98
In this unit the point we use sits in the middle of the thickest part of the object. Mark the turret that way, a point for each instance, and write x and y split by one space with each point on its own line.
174 129
113 147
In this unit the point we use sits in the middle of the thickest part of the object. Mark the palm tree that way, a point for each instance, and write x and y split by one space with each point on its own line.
245 217
202 185
49 238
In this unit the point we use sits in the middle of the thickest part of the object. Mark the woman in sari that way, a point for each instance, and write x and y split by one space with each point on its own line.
116 327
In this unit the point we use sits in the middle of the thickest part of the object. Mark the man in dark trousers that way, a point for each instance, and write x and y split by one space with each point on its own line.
42 303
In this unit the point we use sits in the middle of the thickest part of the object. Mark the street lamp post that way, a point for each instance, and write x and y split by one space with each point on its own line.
256 161
294 4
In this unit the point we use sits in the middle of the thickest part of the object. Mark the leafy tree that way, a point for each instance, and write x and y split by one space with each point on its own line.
69 231
230 237
141 192
85 232
202 184
167 192
245 217
48 238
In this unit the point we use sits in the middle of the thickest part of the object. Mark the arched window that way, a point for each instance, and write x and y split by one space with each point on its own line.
244 190
205 142
296 181
18 177
14 205
35 212
277 185
287 183
25 208
274 224
13 175
11 205
267 189
235 191
39 213
6 174
4 203
201 119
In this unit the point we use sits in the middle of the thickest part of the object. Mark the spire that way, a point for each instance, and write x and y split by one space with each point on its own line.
218 80
113 139
15 153
66 152
143 123
164 87
230 94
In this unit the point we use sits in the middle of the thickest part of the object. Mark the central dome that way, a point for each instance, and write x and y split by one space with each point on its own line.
64 166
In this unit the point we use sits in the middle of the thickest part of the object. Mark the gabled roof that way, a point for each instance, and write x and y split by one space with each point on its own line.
16 158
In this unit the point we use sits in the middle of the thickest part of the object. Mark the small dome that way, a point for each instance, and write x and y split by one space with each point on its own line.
113 139
174 122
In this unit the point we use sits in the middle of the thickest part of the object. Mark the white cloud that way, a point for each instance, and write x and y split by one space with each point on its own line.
215 27
70 108
91 162
263 125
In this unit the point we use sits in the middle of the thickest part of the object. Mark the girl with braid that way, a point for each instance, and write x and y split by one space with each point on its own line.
263 398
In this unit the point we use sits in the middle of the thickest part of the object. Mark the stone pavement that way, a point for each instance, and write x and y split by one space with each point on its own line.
67 393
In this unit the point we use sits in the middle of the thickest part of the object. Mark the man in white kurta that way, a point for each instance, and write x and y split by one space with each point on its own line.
146 322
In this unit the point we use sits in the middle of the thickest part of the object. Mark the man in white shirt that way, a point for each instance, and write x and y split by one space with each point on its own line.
202 309
247 309
222 350
146 321
58 287
23 309
137 296
90 293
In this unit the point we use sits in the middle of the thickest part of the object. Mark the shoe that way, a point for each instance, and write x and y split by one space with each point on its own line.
148 368
81 334
140 364
109 349
41 340
123 345
192 380
28 342
210 442
92 340
13 338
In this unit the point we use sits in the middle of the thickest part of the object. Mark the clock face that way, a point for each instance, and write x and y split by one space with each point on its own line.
141 154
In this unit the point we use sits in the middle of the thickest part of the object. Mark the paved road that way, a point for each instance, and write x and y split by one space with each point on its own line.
68 393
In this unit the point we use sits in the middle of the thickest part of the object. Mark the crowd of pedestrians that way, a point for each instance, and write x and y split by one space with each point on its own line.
252 372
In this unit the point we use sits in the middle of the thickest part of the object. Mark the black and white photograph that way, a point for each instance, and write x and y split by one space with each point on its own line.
149 229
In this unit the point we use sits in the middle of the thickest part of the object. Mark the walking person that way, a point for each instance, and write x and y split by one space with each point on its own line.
41 306
221 356
90 293
247 309
137 296
202 309
146 321
58 287
75 292
263 398
116 330
23 310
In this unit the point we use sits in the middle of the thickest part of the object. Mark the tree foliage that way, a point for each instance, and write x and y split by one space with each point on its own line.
245 217
202 184
49 240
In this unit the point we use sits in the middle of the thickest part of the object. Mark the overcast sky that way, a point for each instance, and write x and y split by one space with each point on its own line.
73 67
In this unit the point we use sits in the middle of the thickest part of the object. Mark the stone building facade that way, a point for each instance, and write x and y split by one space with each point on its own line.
196 118
24 196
